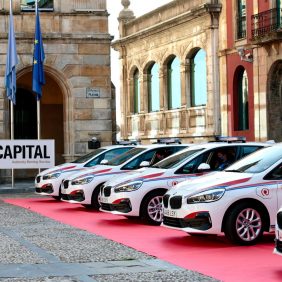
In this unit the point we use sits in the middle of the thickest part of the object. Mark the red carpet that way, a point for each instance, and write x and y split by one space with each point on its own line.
212 256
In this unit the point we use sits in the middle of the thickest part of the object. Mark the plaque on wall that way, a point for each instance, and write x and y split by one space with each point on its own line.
92 92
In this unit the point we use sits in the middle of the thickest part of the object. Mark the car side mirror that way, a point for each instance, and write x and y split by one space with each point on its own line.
144 164
203 167
104 162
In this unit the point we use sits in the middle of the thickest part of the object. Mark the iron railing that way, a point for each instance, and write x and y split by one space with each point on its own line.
265 22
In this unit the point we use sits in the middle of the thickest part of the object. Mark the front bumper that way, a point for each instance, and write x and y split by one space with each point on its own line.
76 196
199 221
124 206
46 189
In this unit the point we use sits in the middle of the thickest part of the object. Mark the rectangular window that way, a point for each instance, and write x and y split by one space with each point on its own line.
241 19
43 5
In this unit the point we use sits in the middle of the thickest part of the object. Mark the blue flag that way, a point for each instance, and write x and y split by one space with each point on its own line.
38 78
12 61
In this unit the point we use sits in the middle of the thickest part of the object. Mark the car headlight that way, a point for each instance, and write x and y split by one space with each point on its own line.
206 196
51 175
128 187
82 181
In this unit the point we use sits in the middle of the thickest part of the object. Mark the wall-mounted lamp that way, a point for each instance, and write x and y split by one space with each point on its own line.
245 54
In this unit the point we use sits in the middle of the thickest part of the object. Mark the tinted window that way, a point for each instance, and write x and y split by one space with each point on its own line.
108 155
89 156
275 174
248 150
135 163
259 161
125 157
177 159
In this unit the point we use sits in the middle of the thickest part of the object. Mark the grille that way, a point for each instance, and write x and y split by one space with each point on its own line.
38 179
107 191
106 207
165 200
174 222
175 202
66 184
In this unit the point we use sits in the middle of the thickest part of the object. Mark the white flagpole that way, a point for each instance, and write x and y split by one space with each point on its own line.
12 134
12 119
38 101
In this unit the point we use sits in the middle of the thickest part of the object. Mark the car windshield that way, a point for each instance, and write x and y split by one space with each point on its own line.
125 157
87 157
259 161
176 159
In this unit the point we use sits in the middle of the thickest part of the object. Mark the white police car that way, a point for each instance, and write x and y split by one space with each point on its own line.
278 232
241 201
84 187
48 182
140 194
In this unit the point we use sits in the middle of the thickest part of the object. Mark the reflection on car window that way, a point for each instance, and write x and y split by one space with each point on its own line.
176 159
108 155
89 156
258 161
125 157
135 163
275 174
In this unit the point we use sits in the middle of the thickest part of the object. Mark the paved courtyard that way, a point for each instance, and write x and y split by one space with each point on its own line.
36 248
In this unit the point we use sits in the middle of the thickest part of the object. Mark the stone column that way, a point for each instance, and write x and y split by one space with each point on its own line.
125 16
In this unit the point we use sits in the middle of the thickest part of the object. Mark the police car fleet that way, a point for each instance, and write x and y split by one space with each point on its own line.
48 182
140 194
84 187
240 202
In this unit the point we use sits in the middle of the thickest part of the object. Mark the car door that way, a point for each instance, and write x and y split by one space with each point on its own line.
274 178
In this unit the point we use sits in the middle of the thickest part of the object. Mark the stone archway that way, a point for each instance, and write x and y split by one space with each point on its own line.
52 115
274 102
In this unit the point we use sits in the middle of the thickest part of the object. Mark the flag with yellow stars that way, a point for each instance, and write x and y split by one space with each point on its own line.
38 78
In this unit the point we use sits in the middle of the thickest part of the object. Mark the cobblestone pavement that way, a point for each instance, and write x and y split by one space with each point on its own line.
36 248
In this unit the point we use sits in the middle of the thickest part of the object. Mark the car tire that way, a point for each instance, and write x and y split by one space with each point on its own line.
151 208
244 224
95 203
58 198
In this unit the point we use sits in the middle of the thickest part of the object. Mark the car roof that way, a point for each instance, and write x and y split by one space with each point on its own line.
152 146
212 145
116 146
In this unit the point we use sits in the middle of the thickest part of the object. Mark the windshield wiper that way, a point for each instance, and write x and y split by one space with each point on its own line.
233 170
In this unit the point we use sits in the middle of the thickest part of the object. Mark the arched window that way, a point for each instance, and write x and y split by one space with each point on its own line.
136 92
153 88
242 111
198 79
173 84
241 19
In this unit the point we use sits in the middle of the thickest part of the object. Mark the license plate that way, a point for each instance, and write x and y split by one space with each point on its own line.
104 200
170 213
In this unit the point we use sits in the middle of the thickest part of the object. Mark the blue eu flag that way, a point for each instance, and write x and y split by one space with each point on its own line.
38 78
12 61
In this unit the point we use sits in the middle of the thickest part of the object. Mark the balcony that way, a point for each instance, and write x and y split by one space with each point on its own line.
266 26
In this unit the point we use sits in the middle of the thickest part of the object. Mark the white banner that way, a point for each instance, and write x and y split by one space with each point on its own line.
27 154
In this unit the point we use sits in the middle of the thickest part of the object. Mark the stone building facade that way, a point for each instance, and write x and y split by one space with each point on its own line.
250 51
242 41
78 100
169 39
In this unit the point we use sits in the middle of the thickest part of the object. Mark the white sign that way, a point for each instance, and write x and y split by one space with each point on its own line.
26 154
92 93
